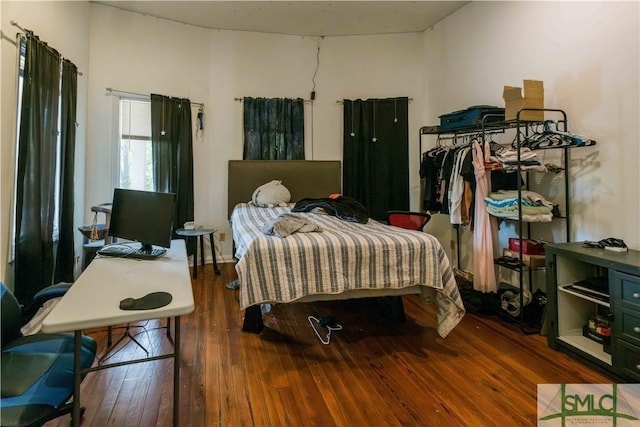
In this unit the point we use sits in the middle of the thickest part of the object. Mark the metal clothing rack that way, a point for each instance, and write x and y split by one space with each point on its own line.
481 131
567 217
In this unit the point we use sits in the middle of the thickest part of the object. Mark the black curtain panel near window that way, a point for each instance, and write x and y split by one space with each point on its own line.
376 154
273 129
172 151
44 173
68 98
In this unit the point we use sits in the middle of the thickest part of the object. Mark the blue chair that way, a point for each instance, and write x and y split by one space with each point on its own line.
37 370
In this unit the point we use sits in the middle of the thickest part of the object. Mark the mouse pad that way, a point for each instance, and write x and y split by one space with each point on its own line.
147 302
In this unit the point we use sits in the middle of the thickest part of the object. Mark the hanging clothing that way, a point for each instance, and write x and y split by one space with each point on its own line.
447 168
469 177
485 226
456 187
467 204
429 182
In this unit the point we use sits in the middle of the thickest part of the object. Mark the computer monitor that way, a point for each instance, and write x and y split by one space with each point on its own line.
142 216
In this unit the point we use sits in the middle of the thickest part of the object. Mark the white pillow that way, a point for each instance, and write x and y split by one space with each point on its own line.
271 194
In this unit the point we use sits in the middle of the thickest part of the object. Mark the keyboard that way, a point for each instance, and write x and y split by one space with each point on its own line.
126 251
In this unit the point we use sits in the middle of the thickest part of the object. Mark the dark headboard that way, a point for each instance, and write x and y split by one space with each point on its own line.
303 178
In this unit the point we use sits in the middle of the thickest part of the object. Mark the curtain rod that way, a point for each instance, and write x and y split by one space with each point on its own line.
140 95
15 24
304 100
380 99
27 31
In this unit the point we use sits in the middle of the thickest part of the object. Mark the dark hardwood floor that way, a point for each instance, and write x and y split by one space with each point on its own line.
484 373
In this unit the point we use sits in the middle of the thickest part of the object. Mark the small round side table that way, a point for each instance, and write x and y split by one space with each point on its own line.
193 235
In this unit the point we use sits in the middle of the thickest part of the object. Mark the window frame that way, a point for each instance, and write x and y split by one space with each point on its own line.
121 136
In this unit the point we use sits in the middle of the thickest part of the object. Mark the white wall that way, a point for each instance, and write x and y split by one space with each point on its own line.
65 27
587 55
141 54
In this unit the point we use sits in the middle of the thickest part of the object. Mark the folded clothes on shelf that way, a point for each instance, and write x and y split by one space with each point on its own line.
506 204
507 157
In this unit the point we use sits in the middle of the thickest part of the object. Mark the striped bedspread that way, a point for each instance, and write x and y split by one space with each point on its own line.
341 257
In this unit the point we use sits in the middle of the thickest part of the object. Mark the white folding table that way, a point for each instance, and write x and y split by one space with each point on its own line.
94 301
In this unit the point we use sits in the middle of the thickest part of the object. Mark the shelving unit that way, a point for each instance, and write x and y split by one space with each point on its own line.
569 311
522 224
489 125
572 319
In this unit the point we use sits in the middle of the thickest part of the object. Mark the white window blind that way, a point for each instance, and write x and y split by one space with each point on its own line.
135 160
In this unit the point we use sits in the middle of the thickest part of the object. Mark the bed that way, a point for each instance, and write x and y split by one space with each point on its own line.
342 261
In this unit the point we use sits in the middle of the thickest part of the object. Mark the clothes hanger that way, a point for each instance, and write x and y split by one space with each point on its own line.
531 139
552 137
494 146
566 138
438 148
544 138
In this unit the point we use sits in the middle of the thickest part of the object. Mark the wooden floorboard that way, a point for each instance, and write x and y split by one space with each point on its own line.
484 373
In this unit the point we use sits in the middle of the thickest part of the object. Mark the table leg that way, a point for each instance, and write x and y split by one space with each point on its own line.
213 255
75 411
202 250
176 372
195 256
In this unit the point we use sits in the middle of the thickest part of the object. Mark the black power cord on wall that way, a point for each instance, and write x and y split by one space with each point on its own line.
313 89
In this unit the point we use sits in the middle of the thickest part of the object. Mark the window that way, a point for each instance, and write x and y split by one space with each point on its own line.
273 128
135 160
22 51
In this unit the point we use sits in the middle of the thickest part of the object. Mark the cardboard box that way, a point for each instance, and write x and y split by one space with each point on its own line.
515 100
528 260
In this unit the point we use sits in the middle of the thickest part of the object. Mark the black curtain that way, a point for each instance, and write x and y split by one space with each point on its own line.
376 154
273 129
172 151
36 169
68 98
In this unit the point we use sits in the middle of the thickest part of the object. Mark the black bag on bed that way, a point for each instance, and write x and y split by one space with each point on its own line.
344 208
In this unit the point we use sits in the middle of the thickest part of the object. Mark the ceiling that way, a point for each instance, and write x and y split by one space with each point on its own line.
301 18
